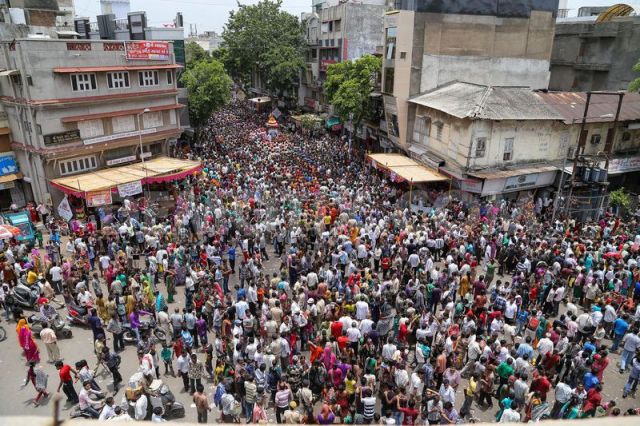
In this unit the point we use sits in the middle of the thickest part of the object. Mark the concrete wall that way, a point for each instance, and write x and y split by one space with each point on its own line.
590 56
363 27
487 50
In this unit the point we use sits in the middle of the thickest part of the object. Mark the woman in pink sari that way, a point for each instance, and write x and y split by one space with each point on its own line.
28 345
328 357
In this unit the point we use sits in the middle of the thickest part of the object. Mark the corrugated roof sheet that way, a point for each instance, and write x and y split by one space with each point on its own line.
466 100
602 108
497 174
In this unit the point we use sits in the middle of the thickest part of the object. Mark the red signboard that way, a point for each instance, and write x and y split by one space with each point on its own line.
310 102
324 63
148 50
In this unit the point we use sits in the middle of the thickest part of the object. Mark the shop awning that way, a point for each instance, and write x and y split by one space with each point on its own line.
161 169
10 177
405 168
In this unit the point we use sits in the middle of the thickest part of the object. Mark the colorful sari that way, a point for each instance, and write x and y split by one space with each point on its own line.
28 345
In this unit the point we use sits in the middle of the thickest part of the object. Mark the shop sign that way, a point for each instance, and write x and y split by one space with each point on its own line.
130 188
62 137
622 165
99 198
121 160
8 185
8 165
324 63
522 181
147 50
64 209
123 135
471 185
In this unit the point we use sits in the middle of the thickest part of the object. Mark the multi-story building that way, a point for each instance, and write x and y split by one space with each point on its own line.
590 55
80 105
431 43
337 31
209 40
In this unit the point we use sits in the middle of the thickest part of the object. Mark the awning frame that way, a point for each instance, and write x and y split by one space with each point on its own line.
406 168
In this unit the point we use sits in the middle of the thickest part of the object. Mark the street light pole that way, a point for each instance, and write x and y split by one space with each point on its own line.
146 175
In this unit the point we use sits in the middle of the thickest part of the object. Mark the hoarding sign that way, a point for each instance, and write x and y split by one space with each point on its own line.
148 50
62 137
130 188
99 198
8 165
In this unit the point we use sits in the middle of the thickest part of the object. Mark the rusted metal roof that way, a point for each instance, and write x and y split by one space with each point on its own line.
466 100
602 108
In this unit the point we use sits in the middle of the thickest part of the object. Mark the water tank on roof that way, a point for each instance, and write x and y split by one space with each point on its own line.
17 16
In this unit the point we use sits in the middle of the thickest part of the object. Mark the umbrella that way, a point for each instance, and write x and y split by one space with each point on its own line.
8 231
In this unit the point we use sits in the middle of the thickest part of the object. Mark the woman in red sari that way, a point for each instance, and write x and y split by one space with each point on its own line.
28 345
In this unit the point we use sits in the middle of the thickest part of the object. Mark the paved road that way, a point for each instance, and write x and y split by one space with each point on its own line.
17 400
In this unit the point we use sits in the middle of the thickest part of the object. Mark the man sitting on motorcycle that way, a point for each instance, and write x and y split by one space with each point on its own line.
86 403
47 312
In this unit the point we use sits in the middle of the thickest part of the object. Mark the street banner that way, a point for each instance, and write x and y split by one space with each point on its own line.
147 50
130 188
99 198
64 209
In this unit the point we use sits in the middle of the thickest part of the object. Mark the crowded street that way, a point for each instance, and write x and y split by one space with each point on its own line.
290 282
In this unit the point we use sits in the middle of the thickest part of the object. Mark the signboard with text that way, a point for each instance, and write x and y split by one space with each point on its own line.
522 181
148 50
121 160
622 165
99 198
130 188
123 135
62 137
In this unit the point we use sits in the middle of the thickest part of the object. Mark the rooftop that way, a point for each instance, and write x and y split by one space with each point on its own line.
466 100
602 108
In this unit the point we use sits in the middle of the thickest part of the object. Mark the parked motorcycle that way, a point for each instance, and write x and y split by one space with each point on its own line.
129 335
58 325
24 296
159 395
77 315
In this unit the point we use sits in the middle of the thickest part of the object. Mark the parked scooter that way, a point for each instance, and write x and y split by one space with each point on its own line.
129 335
77 315
159 395
37 323
24 296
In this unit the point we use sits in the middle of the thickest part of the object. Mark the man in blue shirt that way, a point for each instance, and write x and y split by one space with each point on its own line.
590 380
525 348
620 327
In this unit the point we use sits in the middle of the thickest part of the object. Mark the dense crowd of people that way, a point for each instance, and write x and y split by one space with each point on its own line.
376 314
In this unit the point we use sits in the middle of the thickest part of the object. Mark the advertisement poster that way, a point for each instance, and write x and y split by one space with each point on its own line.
64 210
129 189
8 165
99 198
148 50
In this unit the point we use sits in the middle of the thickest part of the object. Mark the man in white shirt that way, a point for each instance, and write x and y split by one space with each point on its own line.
141 407
108 409
56 278
362 310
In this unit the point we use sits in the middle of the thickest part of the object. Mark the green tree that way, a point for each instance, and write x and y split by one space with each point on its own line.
194 53
208 87
349 85
620 198
634 86
264 39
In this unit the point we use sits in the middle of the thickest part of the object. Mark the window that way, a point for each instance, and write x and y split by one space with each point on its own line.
172 117
481 147
29 80
152 119
403 55
125 123
90 128
314 53
508 150
595 139
390 43
388 80
170 78
421 130
337 25
570 152
76 165
118 80
83 82
439 126
626 137
148 78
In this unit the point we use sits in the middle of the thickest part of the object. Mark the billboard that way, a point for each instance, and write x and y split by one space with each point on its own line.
148 50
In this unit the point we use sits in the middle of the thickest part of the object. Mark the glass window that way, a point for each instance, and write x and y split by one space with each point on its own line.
118 80
170 78
83 82
481 147
148 78
508 149
76 165
390 43
388 80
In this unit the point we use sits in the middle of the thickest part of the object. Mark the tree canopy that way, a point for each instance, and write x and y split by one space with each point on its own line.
264 38
208 87
194 53
634 86
349 85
